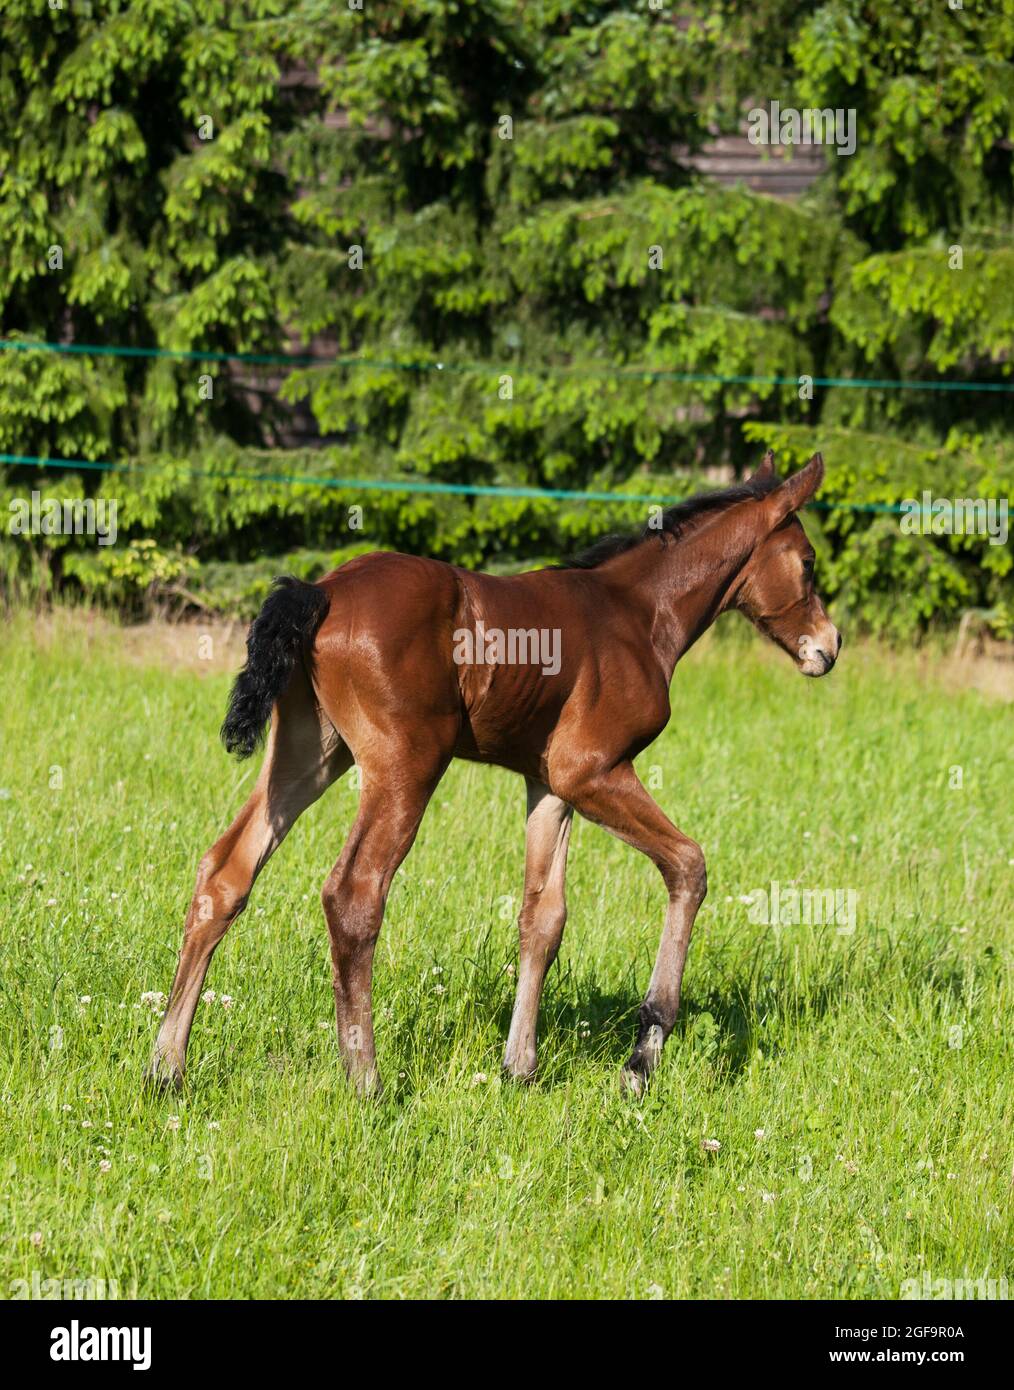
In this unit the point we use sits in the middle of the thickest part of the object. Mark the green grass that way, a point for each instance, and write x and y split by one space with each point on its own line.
886 1134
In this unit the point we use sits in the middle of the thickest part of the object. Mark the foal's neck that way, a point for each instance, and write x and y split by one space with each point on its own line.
686 582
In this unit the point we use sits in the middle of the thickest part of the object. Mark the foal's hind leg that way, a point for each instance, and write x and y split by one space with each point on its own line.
397 786
616 800
304 755
543 914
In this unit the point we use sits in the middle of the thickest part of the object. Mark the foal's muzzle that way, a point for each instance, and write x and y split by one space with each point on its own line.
817 654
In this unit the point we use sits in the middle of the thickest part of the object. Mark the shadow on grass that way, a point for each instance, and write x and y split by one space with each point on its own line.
762 1000
761 1004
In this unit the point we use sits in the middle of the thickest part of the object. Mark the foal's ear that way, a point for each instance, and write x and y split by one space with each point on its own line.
796 491
765 469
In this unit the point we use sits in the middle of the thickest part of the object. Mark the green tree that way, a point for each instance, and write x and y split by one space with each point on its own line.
490 213
140 204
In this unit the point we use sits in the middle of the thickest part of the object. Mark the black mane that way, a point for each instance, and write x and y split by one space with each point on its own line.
675 521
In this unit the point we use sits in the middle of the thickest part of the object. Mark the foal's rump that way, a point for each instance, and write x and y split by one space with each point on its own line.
374 639
380 658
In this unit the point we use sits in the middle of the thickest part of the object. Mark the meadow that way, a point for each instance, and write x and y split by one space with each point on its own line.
831 1118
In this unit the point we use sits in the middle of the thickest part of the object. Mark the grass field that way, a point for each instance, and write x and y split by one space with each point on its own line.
859 1085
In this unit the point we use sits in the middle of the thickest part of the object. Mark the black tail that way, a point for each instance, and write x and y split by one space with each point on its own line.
289 620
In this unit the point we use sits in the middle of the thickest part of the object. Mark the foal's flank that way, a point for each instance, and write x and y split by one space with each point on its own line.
361 667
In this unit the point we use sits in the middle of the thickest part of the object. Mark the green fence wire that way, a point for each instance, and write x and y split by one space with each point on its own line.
264 359
410 485
459 489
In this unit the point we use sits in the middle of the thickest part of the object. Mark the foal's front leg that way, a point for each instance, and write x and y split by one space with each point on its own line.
616 800
543 914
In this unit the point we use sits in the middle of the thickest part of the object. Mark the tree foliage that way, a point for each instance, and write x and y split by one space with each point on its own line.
494 208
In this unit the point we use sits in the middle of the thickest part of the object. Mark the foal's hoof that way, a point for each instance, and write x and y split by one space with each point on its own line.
633 1081
519 1068
518 1076
643 1060
162 1078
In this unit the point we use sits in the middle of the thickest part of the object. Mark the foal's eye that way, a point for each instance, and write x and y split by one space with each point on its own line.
808 567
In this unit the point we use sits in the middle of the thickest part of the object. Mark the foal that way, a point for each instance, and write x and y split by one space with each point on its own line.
401 664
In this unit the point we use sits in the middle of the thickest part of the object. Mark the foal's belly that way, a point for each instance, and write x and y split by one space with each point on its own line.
511 759
510 723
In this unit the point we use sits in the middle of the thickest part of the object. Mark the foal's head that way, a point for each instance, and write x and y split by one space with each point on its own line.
776 588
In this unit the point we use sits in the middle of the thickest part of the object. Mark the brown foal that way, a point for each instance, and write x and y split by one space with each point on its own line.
401 664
